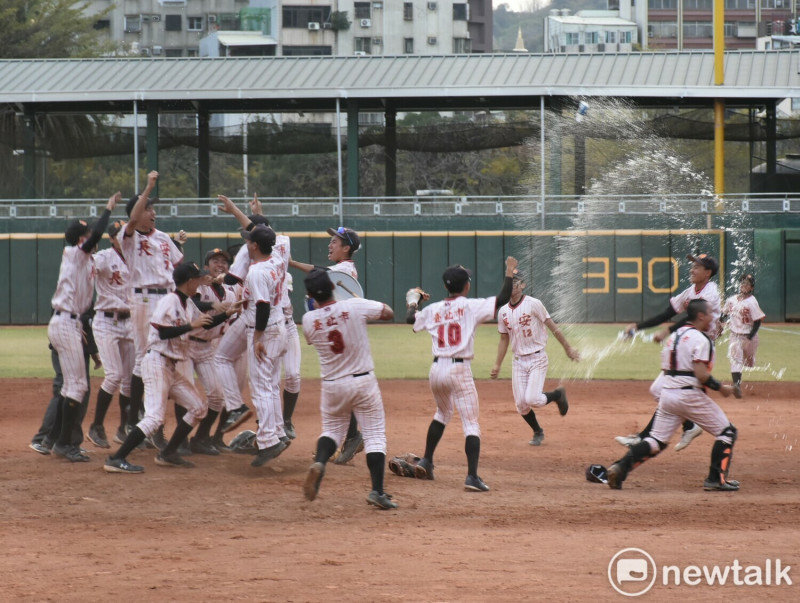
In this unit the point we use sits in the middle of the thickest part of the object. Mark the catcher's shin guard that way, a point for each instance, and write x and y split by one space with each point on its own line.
721 455
638 454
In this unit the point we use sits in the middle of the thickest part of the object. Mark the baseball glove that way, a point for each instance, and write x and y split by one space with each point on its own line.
244 442
407 466
416 296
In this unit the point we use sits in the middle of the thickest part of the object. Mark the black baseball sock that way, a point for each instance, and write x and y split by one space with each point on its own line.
435 432
530 419
132 440
472 447
223 416
646 431
352 429
687 424
289 402
101 408
136 405
181 432
55 430
737 378
179 411
325 449
552 396
204 428
71 410
124 407
376 461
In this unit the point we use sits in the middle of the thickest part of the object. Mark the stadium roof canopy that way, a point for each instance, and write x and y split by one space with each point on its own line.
490 81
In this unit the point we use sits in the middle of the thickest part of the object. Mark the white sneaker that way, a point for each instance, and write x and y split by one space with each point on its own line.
628 440
688 436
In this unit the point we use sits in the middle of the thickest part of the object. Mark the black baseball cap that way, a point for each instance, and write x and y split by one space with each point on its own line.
132 201
319 284
214 253
708 262
257 219
347 235
75 230
456 278
750 279
262 235
114 228
518 275
186 271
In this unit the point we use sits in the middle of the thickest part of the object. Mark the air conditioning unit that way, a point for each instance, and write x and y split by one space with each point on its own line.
313 26
157 50
327 26
377 41
359 53
145 52
432 6
432 40
212 18
155 18
601 48
145 18
366 22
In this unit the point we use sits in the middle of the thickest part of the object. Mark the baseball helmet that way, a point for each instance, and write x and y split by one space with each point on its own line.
244 442
597 474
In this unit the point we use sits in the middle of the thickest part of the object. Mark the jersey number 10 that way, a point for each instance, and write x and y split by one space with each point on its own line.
453 335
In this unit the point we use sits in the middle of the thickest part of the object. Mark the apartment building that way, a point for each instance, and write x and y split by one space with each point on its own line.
588 31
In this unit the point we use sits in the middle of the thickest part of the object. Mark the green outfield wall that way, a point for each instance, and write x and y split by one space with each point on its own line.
613 276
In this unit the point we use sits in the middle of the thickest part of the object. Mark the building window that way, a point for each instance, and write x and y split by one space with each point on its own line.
462 45
663 29
306 51
172 23
592 37
133 23
611 37
192 52
408 45
194 23
173 52
377 5
363 10
625 37
572 38
102 24
697 5
362 45
300 16
460 12
662 4
697 29
408 11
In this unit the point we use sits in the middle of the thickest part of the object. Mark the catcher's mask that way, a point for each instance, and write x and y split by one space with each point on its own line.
597 474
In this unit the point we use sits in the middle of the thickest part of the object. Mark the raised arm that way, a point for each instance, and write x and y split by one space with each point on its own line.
141 203
505 291
100 226
229 207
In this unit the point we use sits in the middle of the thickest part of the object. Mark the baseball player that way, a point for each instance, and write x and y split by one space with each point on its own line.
521 322
687 359
112 325
266 339
343 244
338 331
73 296
703 269
744 316
291 361
174 319
151 256
451 324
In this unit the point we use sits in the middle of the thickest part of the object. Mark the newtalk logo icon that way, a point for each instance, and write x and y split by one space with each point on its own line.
633 572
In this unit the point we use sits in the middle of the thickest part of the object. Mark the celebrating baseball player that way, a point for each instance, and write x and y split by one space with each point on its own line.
174 318
703 269
745 316
343 244
451 324
338 331
112 325
521 322
151 256
72 297
686 361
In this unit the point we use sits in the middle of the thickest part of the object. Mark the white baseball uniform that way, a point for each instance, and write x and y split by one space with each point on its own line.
743 311
112 321
451 323
72 297
682 395
160 372
291 360
151 259
524 324
264 284
338 331
346 266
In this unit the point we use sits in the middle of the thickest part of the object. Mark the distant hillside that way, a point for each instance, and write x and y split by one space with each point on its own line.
507 22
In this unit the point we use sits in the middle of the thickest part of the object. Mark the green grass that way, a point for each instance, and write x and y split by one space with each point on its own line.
401 354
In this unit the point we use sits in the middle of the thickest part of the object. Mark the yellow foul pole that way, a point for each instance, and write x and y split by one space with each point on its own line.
719 104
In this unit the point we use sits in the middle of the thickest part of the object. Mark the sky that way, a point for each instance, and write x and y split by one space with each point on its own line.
519 5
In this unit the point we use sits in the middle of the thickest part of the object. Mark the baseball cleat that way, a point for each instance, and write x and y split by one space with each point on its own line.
351 448
427 469
313 480
628 440
475 484
726 486
563 405
120 436
615 476
219 443
538 438
97 436
203 446
72 453
737 392
688 436
121 466
382 501
173 460
39 447
267 454
288 429
236 418
157 439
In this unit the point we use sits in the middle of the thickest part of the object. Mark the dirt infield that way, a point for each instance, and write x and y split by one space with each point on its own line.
227 531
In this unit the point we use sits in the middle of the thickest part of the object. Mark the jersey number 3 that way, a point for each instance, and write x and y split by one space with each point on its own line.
337 341
453 335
